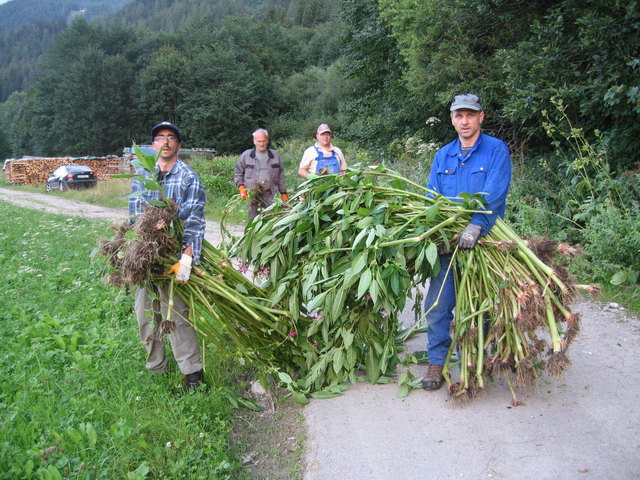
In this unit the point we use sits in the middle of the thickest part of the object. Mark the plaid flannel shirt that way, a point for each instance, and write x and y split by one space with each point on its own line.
183 186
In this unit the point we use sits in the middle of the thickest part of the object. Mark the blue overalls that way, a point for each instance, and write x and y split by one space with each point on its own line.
331 163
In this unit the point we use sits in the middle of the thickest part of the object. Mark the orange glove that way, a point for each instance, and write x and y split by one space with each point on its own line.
243 191
182 269
285 197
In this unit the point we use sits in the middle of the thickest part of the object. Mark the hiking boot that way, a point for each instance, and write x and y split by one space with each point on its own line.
192 381
434 378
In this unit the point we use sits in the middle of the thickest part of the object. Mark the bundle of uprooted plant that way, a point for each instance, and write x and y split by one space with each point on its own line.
350 249
225 307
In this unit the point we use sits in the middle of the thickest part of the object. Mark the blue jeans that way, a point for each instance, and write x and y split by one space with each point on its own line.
440 317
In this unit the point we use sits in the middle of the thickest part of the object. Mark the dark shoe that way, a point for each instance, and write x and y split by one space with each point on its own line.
192 381
434 378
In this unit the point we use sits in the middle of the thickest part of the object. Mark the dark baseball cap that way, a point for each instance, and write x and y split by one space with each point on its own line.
163 126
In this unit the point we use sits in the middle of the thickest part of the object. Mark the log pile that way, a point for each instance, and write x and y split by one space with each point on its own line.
36 170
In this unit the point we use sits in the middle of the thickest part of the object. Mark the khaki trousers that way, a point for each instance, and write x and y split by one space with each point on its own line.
151 308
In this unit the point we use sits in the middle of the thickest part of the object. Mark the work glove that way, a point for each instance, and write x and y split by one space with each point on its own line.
285 197
182 269
469 236
243 191
444 248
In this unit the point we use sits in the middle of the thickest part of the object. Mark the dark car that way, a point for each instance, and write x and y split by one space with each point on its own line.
71 176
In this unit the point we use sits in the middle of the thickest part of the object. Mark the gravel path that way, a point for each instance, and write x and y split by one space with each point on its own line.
584 427
56 204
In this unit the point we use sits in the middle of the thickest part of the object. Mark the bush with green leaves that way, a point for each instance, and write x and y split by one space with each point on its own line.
218 186
612 246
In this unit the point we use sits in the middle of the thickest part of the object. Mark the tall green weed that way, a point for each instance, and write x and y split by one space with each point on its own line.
575 196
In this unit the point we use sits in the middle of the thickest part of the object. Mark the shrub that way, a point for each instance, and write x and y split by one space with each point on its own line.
612 246
217 186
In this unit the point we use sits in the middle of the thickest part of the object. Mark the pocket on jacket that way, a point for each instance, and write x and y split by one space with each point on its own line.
448 182
478 179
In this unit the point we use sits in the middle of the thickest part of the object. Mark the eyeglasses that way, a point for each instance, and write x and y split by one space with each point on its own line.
162 138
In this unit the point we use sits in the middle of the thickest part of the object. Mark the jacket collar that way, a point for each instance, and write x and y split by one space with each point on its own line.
253 153
455 149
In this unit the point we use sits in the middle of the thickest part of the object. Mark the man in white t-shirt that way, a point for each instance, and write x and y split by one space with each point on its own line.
322 158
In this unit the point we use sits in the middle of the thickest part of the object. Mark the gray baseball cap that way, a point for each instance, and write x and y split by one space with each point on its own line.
466 100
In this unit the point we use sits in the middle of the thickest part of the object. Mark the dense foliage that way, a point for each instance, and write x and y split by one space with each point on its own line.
28 27
16 14
219 77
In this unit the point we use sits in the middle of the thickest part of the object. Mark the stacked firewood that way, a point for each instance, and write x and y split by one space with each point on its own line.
36 170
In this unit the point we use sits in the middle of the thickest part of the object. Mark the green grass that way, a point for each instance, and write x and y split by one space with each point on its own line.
76 401
628 296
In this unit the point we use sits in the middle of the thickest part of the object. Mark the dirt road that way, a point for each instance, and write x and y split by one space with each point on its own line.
586 426
55 204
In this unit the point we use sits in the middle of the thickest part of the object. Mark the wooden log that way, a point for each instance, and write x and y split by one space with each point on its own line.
36 170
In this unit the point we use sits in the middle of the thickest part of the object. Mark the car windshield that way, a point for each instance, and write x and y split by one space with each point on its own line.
77 168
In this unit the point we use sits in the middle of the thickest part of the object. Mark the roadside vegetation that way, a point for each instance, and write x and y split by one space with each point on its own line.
76 400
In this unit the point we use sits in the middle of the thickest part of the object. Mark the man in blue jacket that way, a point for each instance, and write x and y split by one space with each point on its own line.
473 163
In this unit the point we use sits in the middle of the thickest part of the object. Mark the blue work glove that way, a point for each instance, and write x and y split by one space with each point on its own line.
469 237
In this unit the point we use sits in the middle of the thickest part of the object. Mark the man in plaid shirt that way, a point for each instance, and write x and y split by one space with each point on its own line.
182 185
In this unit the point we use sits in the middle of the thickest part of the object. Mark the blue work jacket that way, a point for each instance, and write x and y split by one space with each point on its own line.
486 170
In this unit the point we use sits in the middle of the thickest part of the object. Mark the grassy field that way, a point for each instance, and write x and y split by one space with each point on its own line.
76 401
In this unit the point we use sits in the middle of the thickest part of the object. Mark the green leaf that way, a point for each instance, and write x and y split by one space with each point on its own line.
620 278
432 254
404 391
300 398
277 296
359 238
359 263
373 291
338 360
371 367
371 237
92 435
291 218
364 222
285 378
364 284
338 303
148 162
317 301
347 337
325 395
395 283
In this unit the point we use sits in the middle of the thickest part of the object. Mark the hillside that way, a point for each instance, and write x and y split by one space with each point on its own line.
18 13
28 27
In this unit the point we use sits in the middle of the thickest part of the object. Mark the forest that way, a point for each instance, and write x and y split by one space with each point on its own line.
558 81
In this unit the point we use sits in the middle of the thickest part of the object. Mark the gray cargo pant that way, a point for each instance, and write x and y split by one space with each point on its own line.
151 310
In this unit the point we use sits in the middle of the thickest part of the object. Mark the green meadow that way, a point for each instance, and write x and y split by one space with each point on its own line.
76 401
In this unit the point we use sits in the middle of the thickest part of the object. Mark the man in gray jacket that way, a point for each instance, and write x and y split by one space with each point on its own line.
260 169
